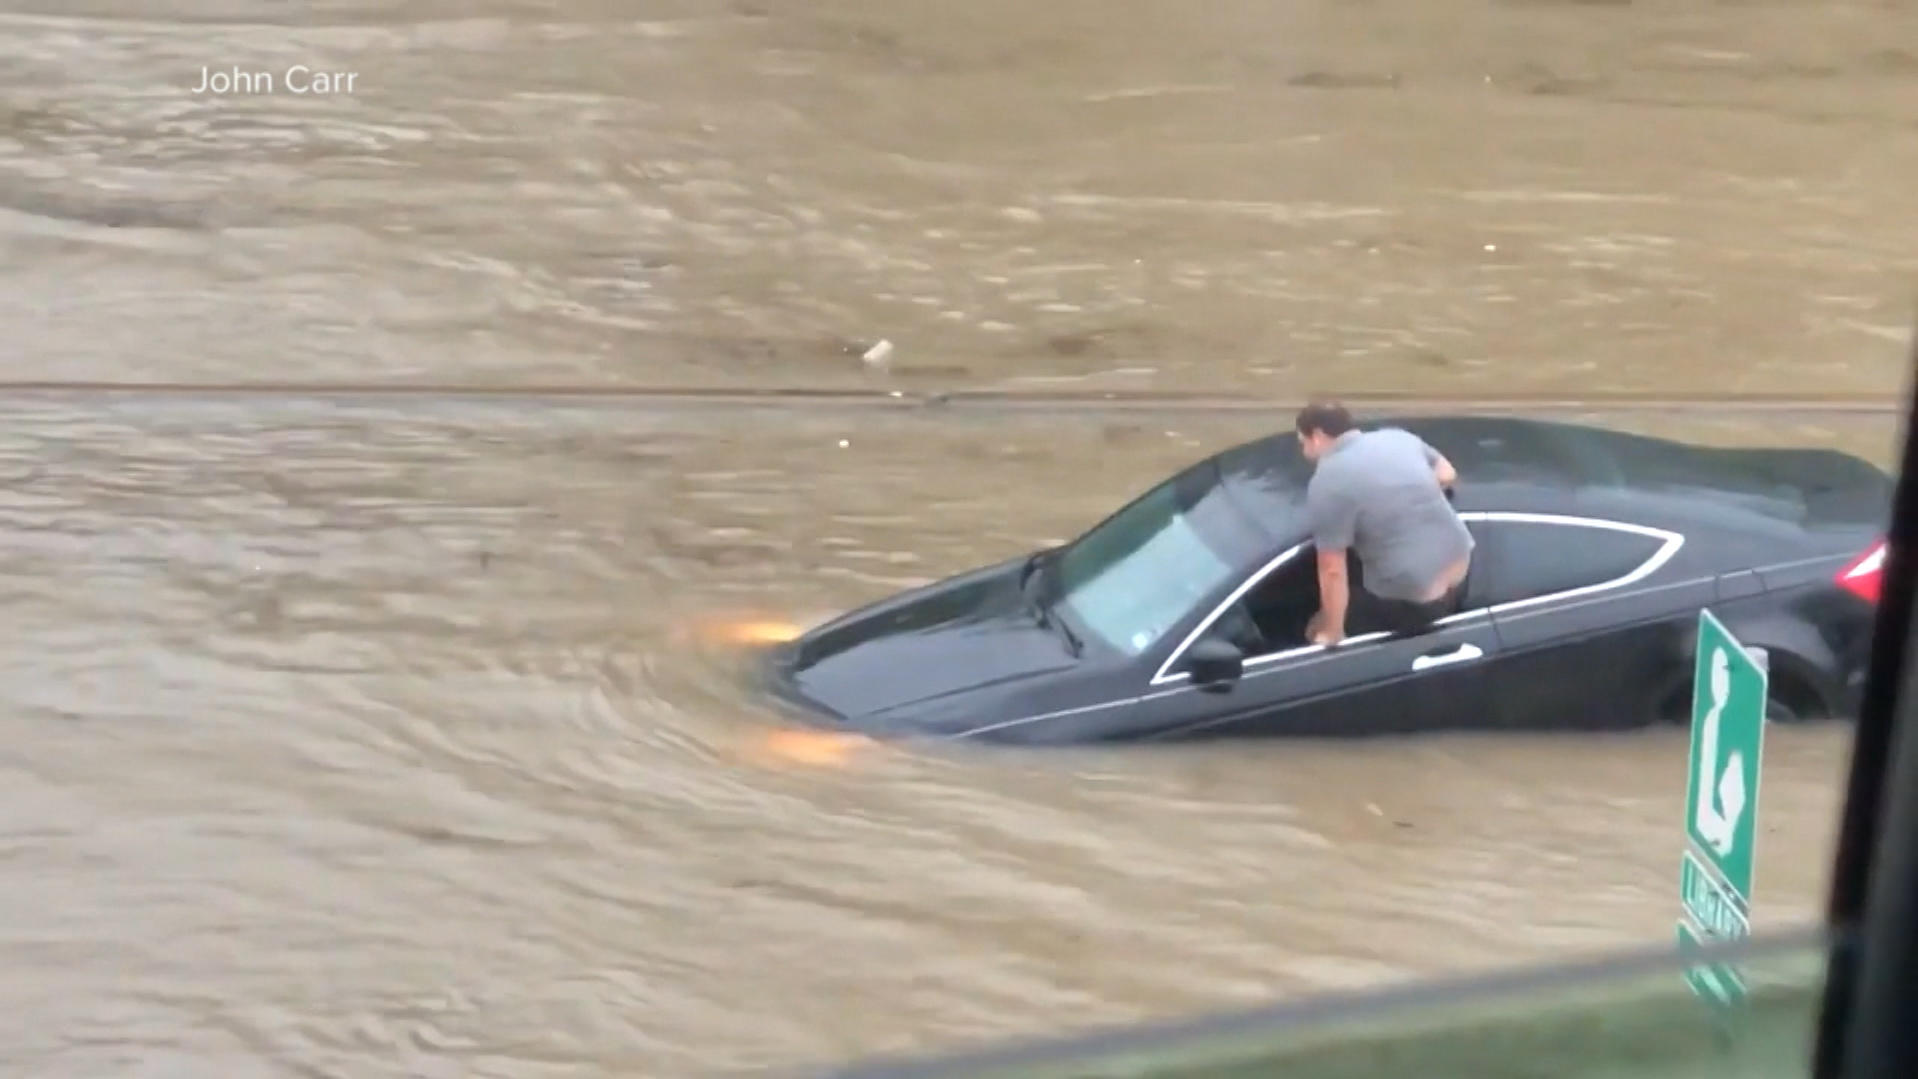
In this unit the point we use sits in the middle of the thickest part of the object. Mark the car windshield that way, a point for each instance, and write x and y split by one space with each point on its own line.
1136 574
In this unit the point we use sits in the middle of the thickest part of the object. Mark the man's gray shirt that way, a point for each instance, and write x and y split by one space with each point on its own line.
1375 492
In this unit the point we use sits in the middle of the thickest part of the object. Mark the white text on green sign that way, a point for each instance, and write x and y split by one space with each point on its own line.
1716 910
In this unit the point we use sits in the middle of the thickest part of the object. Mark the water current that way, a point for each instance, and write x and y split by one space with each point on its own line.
369 736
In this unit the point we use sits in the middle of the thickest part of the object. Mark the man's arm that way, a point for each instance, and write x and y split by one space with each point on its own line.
1335 592
1442 468
1334 521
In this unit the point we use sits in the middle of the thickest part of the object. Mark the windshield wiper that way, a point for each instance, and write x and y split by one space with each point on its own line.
1073 643
1038 608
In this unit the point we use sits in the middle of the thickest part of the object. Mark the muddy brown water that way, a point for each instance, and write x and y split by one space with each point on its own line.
368 738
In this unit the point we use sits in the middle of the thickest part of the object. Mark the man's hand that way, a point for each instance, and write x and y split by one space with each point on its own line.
1318 632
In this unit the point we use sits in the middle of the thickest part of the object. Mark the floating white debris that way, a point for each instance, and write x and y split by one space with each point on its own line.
844 443
878 354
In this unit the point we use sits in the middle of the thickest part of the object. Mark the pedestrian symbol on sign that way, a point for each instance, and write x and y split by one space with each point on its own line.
1720 803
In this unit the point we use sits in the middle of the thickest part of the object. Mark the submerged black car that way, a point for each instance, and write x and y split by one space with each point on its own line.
1183 614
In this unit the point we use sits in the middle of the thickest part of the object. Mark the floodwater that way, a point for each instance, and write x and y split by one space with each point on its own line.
391 736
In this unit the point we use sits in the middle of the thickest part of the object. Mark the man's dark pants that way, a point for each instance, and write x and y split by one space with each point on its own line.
1400 617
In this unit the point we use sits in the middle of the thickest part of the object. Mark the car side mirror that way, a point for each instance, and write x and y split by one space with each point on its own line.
1215 663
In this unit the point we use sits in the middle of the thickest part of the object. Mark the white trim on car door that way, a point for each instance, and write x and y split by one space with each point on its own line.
1164 684
1669 543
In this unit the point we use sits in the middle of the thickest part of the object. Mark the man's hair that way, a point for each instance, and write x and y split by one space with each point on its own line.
1327 417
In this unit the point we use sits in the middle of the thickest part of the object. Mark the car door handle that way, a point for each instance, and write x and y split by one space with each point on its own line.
1457 655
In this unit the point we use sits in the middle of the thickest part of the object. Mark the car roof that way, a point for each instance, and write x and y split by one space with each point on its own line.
1789 495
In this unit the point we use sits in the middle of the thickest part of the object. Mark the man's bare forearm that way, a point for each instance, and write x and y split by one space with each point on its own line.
1334 595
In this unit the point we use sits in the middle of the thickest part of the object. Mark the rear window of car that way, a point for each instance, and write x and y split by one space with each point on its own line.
1521 560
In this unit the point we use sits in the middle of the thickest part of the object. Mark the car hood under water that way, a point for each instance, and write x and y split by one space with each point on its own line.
973 631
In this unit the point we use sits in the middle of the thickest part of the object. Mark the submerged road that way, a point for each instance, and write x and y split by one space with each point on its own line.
366 710
792 397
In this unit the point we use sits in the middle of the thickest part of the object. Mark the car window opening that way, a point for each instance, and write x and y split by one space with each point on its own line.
1271 617
1514 561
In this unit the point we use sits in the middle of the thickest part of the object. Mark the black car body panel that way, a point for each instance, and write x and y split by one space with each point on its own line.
977 624
1596 551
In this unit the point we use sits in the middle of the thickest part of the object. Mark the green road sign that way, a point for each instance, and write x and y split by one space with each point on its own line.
1729 687
1718 981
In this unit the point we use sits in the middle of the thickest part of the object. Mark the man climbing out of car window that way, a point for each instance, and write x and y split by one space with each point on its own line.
1386 495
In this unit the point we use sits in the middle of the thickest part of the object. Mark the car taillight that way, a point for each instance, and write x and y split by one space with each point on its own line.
1861 578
